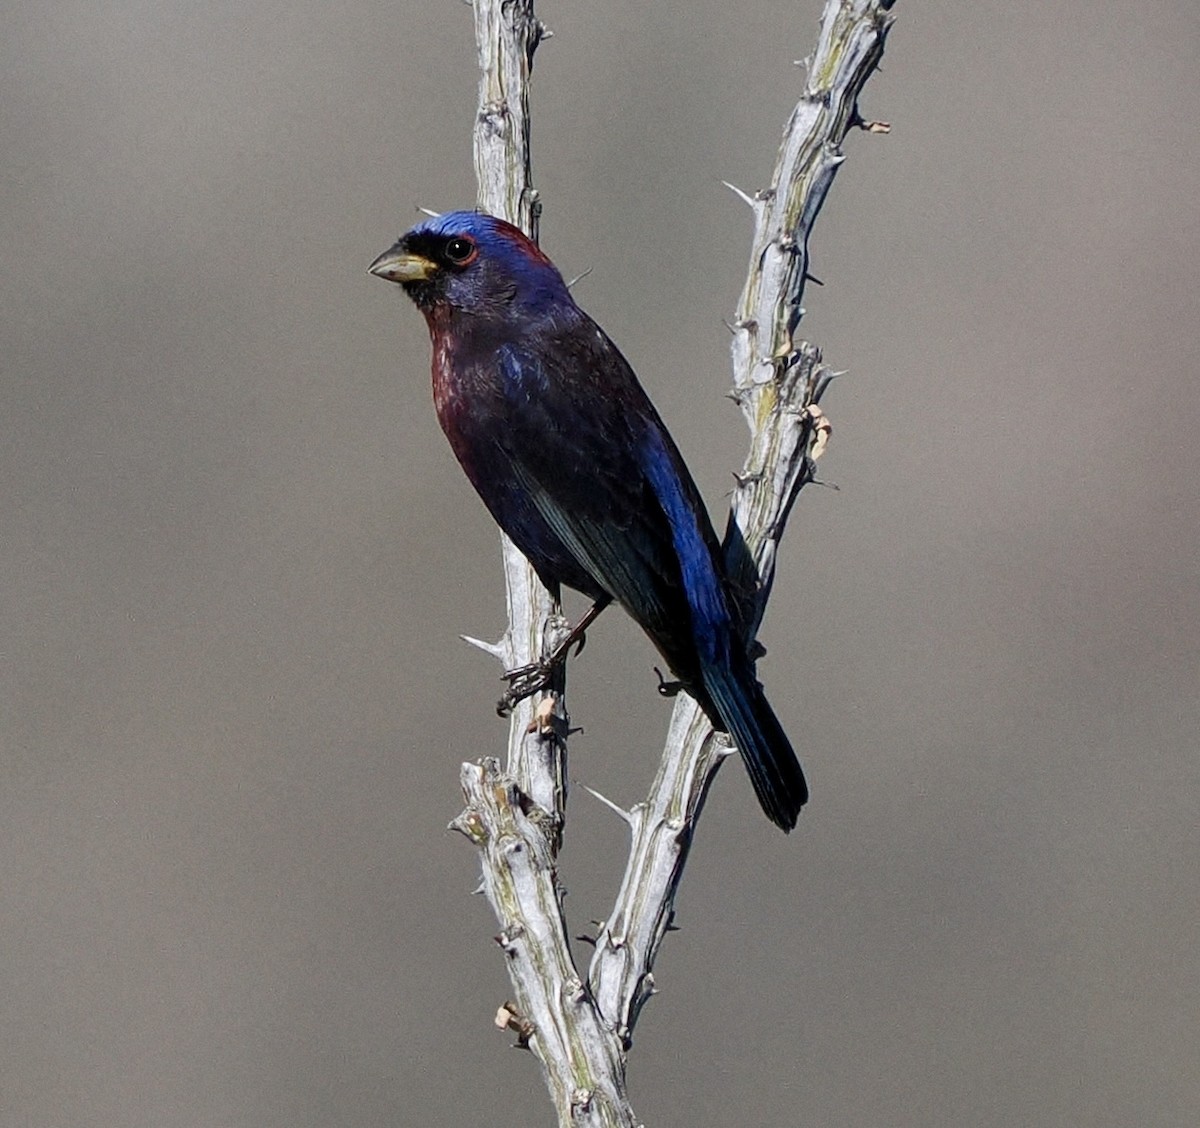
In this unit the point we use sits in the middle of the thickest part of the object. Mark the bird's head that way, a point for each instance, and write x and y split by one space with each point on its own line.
472 263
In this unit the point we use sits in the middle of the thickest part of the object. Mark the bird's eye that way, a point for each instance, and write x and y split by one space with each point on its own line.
460 251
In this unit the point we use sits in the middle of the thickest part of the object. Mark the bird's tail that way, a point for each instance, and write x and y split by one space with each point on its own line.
746 715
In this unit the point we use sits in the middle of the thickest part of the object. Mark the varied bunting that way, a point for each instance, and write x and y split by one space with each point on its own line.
562 444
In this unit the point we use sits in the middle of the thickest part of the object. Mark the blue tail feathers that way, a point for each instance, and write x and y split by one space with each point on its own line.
747 716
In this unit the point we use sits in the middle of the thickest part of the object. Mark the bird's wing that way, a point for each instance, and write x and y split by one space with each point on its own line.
584 440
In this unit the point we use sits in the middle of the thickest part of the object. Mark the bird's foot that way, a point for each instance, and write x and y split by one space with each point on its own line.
668 688
524 682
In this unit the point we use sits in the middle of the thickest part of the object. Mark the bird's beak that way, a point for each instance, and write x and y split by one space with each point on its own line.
400 266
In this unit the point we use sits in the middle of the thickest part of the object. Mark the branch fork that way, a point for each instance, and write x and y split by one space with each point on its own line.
581 1027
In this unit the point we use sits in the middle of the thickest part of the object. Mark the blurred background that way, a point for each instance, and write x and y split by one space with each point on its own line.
237 554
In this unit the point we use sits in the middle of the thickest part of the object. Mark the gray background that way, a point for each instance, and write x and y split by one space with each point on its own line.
237 553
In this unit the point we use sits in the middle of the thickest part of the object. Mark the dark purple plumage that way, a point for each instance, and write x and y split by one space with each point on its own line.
567 452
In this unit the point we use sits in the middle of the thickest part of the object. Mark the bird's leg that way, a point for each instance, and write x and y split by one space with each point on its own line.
525 681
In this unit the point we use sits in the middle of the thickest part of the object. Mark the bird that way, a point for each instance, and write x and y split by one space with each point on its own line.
570 457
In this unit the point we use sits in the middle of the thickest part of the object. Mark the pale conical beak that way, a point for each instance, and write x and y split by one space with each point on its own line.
400 266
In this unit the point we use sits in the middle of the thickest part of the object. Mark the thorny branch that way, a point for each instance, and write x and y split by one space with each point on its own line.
581 1028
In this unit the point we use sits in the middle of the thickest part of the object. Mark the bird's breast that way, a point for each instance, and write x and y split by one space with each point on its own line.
446 389
464 399
450 366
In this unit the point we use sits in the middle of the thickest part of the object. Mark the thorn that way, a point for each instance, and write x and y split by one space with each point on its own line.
672 927
495 649
729 325
584 938
579 277
428 211
813 279
827 485
825 377
874 126
619 811
727 749
477 890
739 193
469 825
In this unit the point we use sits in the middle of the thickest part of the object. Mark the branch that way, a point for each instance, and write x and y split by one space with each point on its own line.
581 1029
778 382
506 36
515 815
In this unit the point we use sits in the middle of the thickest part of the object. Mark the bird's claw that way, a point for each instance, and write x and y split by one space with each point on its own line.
667 688
523 681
